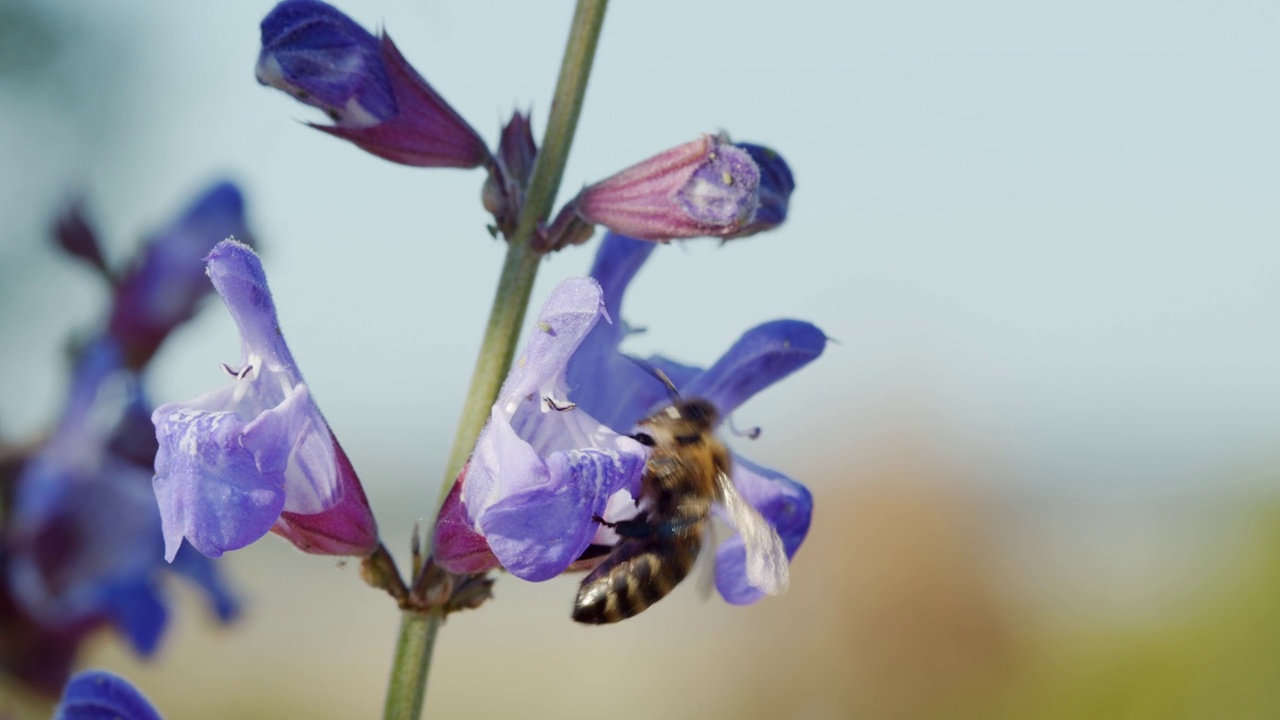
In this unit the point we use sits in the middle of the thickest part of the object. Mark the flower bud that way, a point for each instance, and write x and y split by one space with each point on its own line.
503 193
374 97
707 187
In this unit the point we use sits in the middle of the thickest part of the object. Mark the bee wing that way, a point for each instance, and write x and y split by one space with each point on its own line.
767 568
707 573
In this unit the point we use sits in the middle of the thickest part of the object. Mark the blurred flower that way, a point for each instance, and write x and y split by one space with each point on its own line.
618 391
375 98
776 186
539 472
705 187
256 455
551 458
164 285
82 545
73 233
100 695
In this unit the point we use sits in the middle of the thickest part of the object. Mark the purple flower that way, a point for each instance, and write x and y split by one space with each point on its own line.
707 187
100 695
256 455
608 393
83 547
375 98
165 283
615 389
540 470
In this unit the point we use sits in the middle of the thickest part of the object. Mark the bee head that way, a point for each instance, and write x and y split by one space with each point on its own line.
701 413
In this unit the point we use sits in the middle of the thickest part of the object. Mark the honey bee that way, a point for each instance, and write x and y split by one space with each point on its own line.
687 471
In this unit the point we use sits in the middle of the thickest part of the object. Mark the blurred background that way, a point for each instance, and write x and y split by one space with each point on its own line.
1045 452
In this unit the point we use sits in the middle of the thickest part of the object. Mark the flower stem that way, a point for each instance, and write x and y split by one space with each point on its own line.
406 690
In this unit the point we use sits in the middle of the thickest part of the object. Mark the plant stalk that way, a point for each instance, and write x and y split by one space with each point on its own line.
406 689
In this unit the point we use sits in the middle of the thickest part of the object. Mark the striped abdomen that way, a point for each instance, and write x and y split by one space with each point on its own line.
638 573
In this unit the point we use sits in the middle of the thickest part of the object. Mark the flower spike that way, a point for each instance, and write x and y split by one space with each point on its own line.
375 98
256 455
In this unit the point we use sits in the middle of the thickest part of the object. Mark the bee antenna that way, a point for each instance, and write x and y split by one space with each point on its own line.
659 375
750 433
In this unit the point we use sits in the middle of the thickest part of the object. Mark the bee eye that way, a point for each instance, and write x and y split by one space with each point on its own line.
644 439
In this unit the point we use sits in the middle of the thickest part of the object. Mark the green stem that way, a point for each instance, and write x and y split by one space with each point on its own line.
406 690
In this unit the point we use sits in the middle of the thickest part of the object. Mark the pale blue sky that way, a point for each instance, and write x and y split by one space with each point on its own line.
1050 232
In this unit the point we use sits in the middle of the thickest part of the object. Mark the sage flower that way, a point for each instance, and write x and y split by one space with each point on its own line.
375 98
556 455
256 455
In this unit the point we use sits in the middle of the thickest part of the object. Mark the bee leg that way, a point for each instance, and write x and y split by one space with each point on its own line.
674 528
637 528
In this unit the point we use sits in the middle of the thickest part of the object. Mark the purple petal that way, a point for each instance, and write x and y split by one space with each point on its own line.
100 695
237 275
138 611
208 485
327 60
539 474
617 261
776 186
610 387
203 571
723 192
762 356
569 314
537 532
785 503
165 285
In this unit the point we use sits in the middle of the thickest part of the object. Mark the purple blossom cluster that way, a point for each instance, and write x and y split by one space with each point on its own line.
557 470
81 543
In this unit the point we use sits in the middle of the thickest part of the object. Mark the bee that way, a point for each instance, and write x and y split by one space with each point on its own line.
687 471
